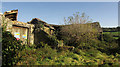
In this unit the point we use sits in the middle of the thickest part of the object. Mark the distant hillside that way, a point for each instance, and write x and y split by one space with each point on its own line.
111 29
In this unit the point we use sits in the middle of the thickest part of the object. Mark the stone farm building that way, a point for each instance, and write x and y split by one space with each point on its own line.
34 31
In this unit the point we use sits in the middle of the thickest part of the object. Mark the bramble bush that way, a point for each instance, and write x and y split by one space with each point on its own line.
10 47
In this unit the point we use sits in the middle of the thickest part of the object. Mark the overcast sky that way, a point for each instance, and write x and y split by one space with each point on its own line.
54 12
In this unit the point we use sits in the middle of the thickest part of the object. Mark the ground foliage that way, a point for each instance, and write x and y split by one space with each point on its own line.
10 47
45 55
101 50
93 52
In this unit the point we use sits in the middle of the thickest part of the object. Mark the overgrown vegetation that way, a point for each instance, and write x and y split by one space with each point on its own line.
48 56
10 47
78 46
77 30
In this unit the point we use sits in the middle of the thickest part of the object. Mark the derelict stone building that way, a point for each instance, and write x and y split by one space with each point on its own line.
30 33
20 30
35 31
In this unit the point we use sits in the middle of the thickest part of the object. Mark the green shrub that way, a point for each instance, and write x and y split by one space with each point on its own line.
10 48
108 38
53 41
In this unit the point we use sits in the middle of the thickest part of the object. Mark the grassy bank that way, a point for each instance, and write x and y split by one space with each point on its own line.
113 34
49 56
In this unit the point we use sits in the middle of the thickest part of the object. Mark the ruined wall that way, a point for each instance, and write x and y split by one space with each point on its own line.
11 14
95 26
20 30
41 25
42 31
36 30
32 32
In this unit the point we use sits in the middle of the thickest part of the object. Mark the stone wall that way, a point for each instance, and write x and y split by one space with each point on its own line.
36 30
95 26
42 31
20 30
32 32
11 14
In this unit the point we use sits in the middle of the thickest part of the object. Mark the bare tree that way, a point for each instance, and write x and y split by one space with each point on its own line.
77 19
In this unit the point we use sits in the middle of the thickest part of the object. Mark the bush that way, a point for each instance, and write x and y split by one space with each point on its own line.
10 47
108 38
40 56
